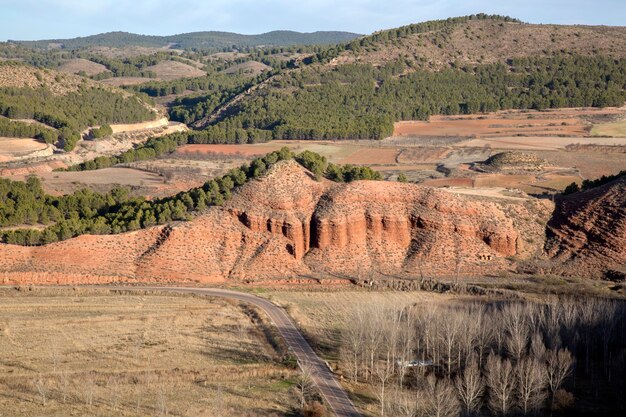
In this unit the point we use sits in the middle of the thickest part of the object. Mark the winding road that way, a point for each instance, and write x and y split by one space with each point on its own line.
322 376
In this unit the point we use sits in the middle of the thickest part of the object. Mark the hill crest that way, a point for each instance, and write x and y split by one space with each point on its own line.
200 40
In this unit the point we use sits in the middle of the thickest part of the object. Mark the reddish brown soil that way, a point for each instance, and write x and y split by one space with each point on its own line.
561 122
287 225
244 150
588 230
369 156
450 182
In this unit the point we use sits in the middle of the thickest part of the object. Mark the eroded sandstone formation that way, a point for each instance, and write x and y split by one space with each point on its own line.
587 234
287 224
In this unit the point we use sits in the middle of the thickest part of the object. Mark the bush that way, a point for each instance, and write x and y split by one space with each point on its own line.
562 400
102 131
315 409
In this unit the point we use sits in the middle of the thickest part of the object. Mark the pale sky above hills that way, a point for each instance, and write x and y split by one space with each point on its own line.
45 19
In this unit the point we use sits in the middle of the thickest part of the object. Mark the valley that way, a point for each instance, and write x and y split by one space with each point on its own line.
428 220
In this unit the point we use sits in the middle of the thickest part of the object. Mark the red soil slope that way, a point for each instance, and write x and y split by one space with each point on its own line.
287 224
588 231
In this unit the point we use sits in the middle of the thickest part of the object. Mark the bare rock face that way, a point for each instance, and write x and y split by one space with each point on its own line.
394 228
587 234
286 225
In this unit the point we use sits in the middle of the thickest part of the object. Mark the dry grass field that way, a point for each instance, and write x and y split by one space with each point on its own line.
74 66
252 68
98 354
16 146
617 129
555 122
173 70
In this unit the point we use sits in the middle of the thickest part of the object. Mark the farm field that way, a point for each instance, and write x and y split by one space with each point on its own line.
555 122
610 129
95 353
141 182
438 160
11 147
540 143
568 159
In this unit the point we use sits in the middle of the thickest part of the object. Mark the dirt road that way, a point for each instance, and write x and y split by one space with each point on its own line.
328 385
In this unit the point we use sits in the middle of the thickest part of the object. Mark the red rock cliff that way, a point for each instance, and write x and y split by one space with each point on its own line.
288 224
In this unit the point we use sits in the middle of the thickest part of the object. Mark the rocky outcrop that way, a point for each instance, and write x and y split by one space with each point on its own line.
286 225
587 234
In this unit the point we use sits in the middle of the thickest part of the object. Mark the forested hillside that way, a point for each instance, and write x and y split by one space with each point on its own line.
85 211
66 104
462 65
363 101
196 40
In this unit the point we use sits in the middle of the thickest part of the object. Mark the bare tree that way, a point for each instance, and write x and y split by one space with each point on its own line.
515 319
470 387
558 367
162 394
41 387
64 384
53 352
401 403
484 334
373 335
500 381
138 392
537 347
406 338
113 384
531 384
218 402
305 383
383 370
450 331
88 384
352 338
441 400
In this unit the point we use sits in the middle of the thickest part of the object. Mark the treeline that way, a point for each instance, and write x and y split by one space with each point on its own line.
214 83
197 41
87 212
72 112
320 167
589 184
16 129
499 358
153 148
359 101
158 146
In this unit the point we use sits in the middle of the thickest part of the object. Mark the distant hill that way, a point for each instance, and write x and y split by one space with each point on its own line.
196 40
63 104
462 65
480 39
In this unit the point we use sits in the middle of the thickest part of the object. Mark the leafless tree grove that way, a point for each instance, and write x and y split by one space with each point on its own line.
498 358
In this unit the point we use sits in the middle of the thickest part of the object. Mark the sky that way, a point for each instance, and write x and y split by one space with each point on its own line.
58 19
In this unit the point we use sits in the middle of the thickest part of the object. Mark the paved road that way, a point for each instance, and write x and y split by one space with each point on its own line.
328 385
